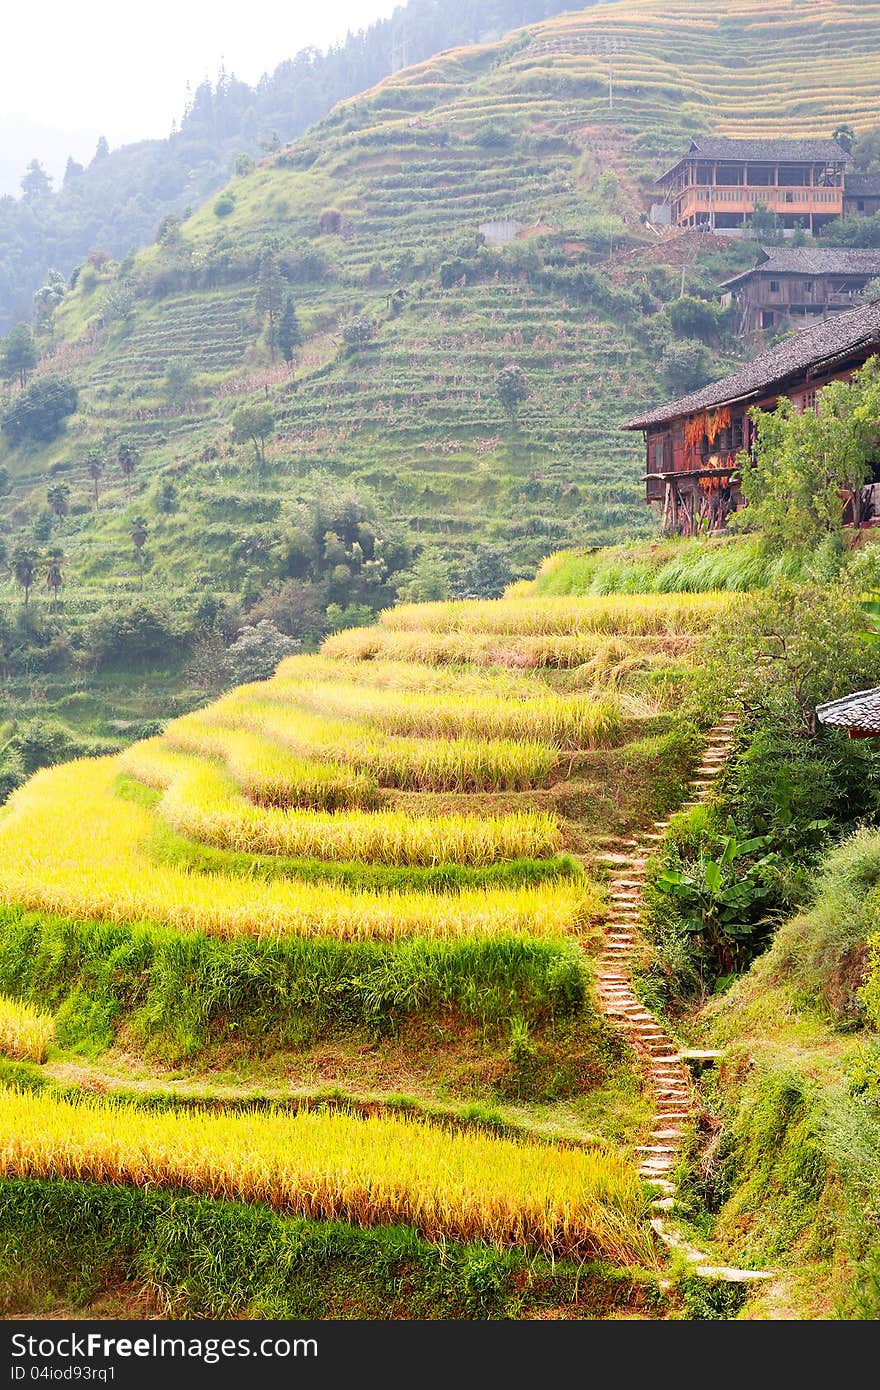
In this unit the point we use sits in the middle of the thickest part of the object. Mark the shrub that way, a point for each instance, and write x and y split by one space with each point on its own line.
38 414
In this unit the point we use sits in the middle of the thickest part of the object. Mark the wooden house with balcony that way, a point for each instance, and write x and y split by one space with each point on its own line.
692 444
792 284
719 182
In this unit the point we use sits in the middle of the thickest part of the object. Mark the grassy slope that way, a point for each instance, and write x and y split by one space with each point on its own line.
414 417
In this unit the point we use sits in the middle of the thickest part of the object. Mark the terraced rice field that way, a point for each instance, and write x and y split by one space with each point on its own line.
362 837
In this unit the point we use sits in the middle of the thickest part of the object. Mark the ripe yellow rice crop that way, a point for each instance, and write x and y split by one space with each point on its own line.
546 615
514 650
25 1033
203 803
567 721
266 772
68 845
332 1166
409 764
296 672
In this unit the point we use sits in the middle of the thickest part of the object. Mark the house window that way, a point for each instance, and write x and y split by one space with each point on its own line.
807 402
774 286
860 204
808 287
768 318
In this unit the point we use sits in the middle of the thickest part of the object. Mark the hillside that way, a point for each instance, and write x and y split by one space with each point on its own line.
117 200
391 461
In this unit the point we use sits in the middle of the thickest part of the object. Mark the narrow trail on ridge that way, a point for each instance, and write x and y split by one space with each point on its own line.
665 1062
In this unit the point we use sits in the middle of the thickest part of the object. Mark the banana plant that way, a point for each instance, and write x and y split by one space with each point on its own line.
719 900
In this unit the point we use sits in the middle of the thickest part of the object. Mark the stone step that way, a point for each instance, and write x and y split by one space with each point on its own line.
729 1275
666 1134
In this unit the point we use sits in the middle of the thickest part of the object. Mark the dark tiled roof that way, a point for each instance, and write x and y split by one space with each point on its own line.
813 260
862 186
786 151
824 342
858 711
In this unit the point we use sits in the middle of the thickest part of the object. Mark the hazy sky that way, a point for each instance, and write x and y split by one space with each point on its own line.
70 72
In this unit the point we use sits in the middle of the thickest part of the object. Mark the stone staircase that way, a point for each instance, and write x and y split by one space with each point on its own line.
665 1062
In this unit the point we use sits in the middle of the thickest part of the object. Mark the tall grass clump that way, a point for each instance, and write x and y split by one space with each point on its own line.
676 566
25 1032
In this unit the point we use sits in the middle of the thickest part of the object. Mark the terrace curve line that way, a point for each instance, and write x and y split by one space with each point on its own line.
666 1063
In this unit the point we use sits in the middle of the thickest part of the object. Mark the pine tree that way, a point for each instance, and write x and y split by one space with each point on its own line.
270 291
289 332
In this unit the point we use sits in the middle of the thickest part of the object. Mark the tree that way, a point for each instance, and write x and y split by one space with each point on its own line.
289 333
72 171
357 332
257 650
38 414
127 457
36 182
510 388
794 646
844 135
763 224
24 569
58 497
686 365
102 149
270 291
427 580
486 574
254 423
54 574
693 318
139 531
18 355
178 381
95 468
807 466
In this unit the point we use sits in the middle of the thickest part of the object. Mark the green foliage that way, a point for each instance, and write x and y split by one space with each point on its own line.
183 992
720 903
694 318
203 1258
254 423
792 648
686 366
806 464
511 388
18 355
39 413
289 331
256 652
139 634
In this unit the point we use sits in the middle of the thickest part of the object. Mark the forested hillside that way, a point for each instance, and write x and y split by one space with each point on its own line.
115 203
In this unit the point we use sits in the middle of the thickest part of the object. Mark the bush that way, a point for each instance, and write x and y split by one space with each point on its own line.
686 365
139 635
39 413
257 651
224 205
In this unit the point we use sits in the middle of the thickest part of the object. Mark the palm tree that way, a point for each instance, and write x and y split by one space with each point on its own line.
24 568
95 469
139 531
127 458
58 498
844 135
54 574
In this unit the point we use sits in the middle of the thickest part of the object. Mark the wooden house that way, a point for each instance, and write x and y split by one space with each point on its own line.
718 183
861 195
858 713
691 444
790 284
